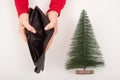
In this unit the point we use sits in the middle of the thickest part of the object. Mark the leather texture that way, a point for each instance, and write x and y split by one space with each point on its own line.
37 42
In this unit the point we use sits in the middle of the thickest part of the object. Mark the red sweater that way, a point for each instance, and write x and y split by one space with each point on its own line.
55 5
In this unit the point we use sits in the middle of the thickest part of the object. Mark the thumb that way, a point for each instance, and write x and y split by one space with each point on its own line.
30 28
49 26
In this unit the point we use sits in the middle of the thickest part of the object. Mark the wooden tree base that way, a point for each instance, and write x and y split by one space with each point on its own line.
84 72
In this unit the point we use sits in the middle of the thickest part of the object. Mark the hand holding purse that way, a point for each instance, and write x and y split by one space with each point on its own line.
37 42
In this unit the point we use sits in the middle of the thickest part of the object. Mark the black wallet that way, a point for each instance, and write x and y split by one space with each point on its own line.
37 42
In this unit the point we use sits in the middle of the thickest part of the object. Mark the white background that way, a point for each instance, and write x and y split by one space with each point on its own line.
15 59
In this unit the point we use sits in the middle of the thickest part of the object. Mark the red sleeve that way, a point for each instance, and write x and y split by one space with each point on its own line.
21 6
56 5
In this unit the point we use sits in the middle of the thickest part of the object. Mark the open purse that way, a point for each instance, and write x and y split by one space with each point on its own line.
37 42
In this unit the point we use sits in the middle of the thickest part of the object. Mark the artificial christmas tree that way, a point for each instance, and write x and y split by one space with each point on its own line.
84 52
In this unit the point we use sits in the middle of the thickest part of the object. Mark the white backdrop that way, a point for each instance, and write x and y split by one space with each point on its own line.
15 59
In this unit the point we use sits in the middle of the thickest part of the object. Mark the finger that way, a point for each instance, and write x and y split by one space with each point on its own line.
50 26
51 40
49 43
29 28
22 32
55 29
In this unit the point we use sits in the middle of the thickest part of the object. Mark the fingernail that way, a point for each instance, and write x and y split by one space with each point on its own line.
46 28
34 31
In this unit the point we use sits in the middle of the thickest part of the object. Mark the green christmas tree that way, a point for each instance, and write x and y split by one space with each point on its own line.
84 52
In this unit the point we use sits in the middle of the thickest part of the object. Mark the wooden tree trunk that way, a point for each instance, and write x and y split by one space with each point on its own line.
84 71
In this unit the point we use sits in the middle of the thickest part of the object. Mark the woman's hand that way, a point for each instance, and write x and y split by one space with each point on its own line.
53 17
24 23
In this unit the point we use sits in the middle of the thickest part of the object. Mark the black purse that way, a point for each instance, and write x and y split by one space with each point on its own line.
37 42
